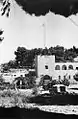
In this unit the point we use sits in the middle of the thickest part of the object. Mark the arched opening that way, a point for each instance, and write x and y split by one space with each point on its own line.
70 67
76 76
46 77
57 67
46 66
64 77
76 68
59 77
64 67
69 77
46 80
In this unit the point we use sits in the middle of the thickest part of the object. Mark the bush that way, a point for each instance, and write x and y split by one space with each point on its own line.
1 79
31 82
65 82
54 82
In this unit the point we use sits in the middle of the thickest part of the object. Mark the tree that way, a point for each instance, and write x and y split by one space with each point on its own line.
41 7
21 56
25 57
45 51
5 67
5 7
1 33
58 51
12 64
70 54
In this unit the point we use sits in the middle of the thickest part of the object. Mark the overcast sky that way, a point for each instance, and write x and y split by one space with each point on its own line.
21 29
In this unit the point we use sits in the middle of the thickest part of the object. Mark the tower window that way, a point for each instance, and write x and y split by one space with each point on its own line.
64 67
76 68
46 66
70 67
57 67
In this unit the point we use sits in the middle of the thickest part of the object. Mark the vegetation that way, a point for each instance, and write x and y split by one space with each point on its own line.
13 98
41 7
25 58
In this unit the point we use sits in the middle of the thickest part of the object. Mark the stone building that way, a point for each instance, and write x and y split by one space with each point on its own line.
46 65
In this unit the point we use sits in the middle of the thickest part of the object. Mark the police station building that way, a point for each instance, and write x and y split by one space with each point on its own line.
46 65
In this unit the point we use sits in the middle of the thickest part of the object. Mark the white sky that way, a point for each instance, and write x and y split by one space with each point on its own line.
21 29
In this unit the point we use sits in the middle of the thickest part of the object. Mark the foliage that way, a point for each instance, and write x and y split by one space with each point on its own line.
12 64
42 7
5 7
65 82
1 33
15 98
28 82
25 58
31 82
1 79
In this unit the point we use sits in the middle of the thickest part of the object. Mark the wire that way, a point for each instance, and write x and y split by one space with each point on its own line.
73 21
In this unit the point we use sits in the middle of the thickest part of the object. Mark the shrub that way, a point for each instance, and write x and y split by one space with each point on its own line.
66 82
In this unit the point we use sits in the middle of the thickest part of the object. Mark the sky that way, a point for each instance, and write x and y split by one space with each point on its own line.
23 30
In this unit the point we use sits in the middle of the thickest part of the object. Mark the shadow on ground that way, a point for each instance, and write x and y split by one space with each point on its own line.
17 113
55 99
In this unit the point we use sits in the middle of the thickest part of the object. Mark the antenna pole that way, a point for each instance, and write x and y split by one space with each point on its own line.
44 34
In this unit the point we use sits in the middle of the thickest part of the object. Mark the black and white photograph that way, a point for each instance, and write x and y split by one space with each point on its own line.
38 59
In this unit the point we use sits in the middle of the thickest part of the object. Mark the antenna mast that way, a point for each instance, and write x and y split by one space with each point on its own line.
44 35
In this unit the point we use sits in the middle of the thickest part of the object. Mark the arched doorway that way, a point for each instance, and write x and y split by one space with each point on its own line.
64 67
57 67
46 80
70 67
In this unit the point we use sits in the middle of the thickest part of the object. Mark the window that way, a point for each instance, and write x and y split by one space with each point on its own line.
46 66
64 76
64 67
76 68
70 67
62 88
69 77
57 67
59 77
46 77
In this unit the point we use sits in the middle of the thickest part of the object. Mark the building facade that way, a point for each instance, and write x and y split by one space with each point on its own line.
46 65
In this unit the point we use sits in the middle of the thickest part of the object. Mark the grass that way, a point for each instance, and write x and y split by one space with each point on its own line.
13 98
